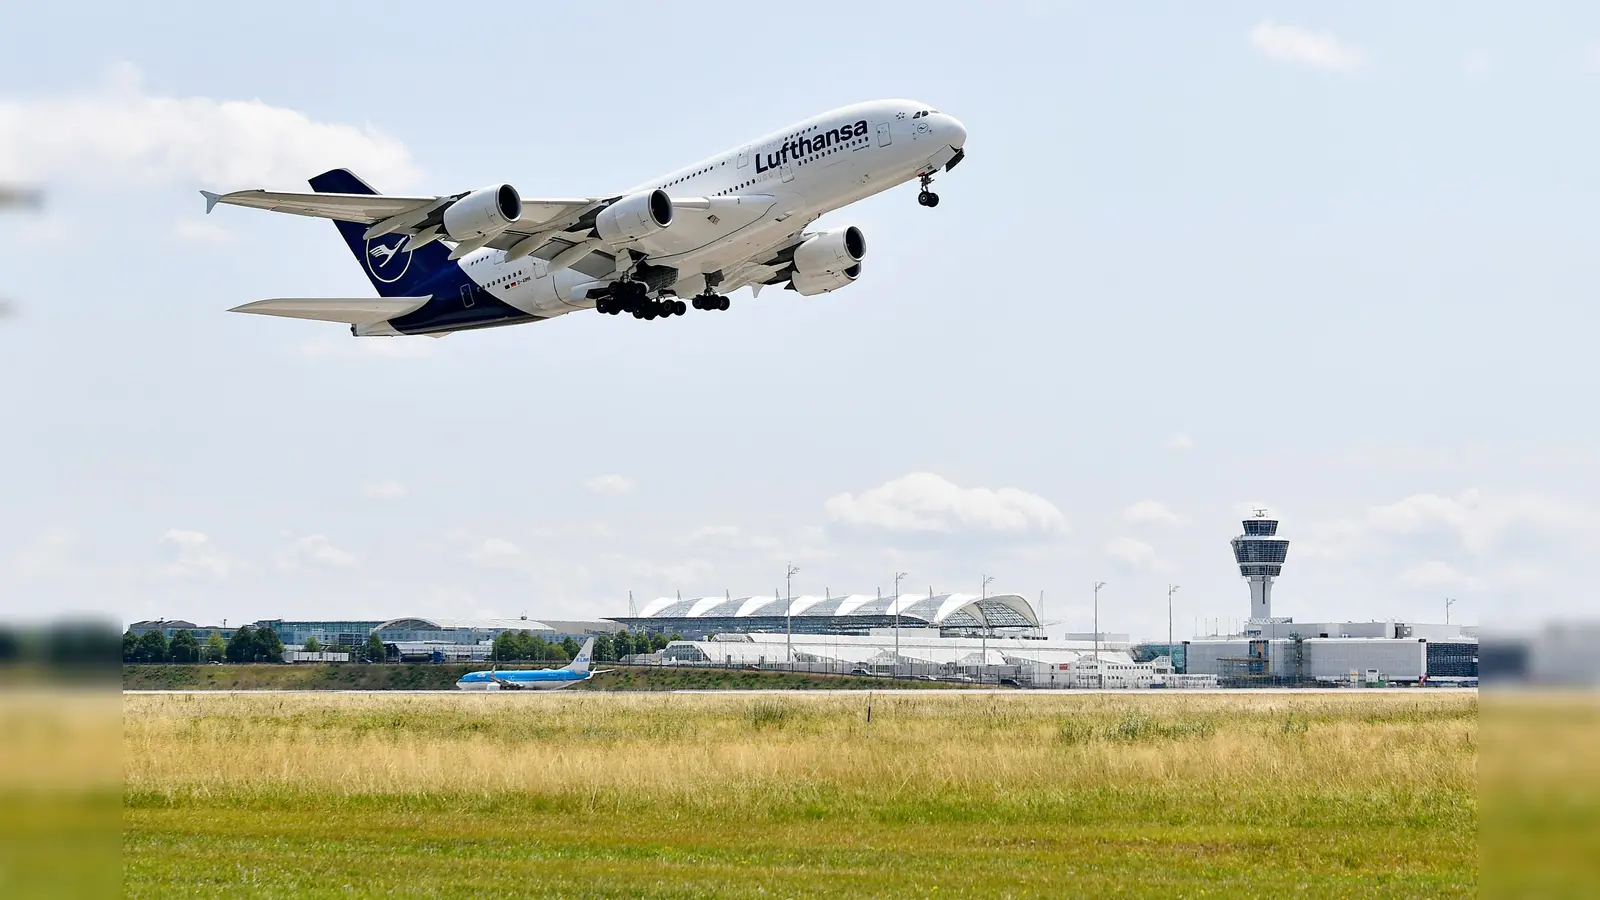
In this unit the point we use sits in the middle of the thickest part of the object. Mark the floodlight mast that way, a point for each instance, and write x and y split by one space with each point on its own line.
1099 667
788 613
896 601
1171 589
983 643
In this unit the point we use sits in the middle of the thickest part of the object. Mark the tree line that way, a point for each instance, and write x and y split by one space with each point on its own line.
246 646
250 645
525 645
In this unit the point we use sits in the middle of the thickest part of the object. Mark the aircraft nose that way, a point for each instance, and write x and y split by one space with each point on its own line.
954 131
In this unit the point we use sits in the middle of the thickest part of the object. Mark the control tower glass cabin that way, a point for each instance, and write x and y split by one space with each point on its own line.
1260 554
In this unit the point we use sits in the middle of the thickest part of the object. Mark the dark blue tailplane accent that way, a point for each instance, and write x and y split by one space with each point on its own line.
458 302
395 273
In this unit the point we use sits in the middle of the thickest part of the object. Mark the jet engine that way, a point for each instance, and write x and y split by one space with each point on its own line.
809 285
830 253
482 213
634 216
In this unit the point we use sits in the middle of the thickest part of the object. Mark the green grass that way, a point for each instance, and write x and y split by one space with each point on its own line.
634 795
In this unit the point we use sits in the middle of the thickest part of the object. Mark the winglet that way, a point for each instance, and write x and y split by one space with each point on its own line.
211 200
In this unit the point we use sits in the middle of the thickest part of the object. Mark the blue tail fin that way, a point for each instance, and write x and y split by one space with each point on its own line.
393 272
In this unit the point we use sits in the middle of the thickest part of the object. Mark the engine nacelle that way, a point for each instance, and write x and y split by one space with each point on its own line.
809 285
484 212
634 216
830 252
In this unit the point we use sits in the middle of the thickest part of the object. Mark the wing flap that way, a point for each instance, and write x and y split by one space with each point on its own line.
350 310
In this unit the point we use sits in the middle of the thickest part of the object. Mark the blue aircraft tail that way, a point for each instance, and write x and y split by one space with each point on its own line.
394 273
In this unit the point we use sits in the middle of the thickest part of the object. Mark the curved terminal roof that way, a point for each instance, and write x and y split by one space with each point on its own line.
946 610
417 623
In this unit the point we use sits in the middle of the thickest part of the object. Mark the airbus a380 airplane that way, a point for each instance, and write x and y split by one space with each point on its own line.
492 257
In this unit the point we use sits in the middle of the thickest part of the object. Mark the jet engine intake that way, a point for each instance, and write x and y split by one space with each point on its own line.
483 213
634 216
810 285
830 252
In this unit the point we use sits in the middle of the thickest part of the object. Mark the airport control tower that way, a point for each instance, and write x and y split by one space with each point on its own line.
1260 554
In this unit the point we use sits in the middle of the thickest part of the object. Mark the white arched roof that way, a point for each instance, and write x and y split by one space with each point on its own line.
936 610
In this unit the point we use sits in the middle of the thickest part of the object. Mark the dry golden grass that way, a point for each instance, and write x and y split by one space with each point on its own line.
1347 782
695 746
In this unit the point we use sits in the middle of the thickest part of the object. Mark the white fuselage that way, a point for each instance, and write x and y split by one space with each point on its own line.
763 192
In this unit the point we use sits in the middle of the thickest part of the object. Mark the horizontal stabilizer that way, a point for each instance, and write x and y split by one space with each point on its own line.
352 311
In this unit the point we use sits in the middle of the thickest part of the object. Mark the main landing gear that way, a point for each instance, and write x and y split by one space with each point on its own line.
711 301
926 197
632 297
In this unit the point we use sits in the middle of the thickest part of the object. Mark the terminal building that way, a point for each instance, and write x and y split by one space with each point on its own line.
952 615
1274 649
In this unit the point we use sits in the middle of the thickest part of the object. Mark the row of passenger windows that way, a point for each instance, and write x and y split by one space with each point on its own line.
836 148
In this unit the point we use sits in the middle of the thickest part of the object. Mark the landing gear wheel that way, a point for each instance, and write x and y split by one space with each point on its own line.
696 303
722 303
679 308
928 198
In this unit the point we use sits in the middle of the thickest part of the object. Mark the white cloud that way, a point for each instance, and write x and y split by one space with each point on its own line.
731 537
46 557
1435 574
925 502
314 550
118 132
201 231
195 556
1180 443
389 489
494 552
1131 554
1320 50
1477 64
608 484
1151 512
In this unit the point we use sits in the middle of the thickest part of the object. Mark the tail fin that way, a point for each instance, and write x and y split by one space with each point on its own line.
394 273
580 663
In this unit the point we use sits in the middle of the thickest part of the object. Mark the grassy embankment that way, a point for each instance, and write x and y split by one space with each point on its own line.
424 677
1370 794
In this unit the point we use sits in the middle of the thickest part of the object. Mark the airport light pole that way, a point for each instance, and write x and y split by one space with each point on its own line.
983 643
1171 589
788 613
1099 667
1448 602
896 602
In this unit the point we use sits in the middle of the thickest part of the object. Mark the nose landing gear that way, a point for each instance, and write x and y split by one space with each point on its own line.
926 197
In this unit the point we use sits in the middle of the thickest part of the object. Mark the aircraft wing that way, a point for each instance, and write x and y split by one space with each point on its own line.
370 209
543 226
353 310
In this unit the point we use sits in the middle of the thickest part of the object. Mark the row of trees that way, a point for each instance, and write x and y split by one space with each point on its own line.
250 644
523 645
247 645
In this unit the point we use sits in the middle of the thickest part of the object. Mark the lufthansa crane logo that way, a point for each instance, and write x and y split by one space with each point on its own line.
385 260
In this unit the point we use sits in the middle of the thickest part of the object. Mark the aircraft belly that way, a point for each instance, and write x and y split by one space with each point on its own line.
693 235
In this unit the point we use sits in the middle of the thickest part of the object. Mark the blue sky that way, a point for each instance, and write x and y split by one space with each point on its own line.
1330 260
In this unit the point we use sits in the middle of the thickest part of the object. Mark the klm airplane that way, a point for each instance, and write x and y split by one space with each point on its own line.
534 679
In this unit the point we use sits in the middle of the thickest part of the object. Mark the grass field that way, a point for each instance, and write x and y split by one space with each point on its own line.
639 795
427 677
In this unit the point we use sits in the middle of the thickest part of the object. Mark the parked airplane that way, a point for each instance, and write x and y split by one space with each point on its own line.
492 257
534 679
